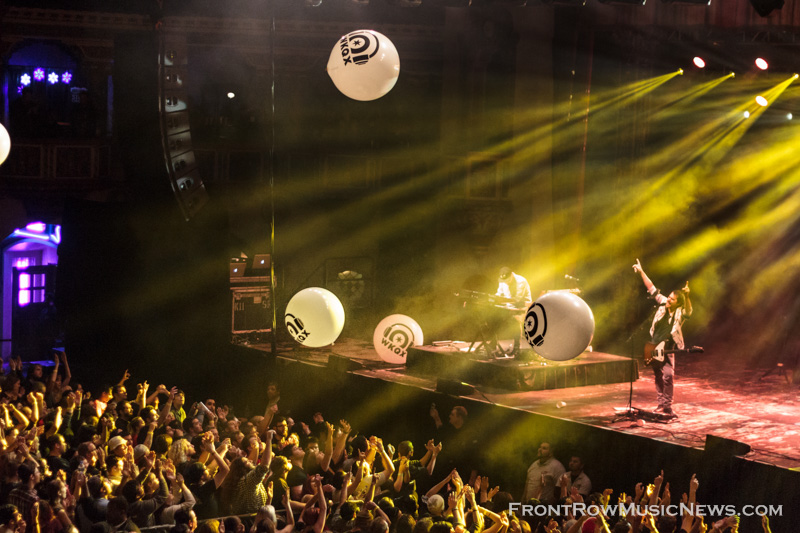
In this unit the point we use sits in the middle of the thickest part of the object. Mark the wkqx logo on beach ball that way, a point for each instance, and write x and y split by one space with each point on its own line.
358 47
364 65
296 328
322 314
394 336
535 324
559 326
397 338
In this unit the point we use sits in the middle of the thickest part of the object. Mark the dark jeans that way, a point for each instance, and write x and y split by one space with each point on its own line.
665 377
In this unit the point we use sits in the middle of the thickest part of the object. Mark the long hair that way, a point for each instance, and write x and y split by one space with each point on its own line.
238 469
681 296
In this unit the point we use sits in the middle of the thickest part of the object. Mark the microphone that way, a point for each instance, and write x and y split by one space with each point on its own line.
567 276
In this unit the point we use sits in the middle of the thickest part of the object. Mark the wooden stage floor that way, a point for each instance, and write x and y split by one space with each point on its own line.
715 396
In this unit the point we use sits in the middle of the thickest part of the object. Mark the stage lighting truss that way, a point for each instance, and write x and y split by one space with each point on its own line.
623 2
447 3
565 2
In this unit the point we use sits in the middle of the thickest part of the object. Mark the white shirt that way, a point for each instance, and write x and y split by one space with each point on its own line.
522 293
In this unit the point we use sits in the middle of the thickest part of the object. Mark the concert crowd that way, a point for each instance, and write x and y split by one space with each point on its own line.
149 458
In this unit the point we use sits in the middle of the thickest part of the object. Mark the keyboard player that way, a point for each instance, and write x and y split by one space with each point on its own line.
515 287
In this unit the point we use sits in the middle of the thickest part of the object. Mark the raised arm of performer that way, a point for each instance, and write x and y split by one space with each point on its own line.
637 267
648 284
687 306
666 330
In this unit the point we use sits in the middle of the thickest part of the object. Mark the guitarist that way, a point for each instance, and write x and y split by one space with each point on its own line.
667 326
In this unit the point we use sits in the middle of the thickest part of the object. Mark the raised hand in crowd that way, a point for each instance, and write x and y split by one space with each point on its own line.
694 483
168 468
656 488
693 523
431 453
729 522
650 522
477 513
605 499
551 526
765 524
666 496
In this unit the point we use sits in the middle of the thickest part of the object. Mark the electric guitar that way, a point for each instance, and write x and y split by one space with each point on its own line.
656 352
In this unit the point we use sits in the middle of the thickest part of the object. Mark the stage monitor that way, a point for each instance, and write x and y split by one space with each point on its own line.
721 447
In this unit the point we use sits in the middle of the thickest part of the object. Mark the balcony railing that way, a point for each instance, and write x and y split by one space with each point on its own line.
59 159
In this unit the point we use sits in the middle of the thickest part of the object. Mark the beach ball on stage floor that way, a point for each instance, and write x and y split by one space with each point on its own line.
394 335
364 65
559 326
5 144
314 317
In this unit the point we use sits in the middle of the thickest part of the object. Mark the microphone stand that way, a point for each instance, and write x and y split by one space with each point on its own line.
629 413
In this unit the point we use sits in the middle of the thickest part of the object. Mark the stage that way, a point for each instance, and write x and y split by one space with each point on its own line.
525 372
712 397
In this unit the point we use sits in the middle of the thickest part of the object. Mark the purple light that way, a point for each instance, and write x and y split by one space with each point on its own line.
52 78
19 89
22 263
24 281
24 298
66 77
38 227
39 231
25 79
38 74
28 234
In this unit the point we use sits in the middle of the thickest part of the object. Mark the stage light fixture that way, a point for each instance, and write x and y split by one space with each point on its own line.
698 62
231 95
760 100
762 63
680 72
765 7
747 114
789 116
